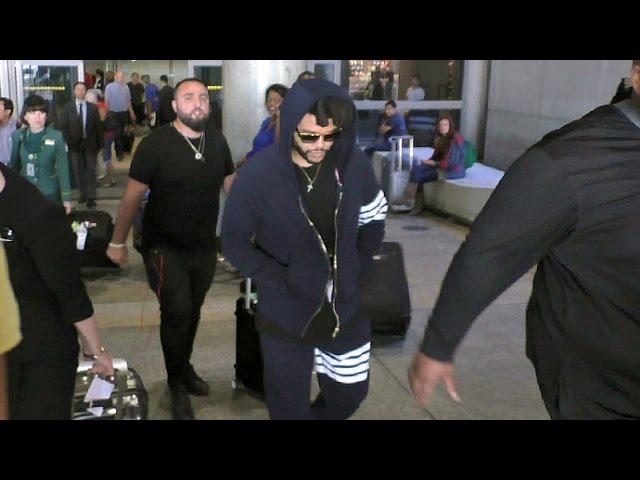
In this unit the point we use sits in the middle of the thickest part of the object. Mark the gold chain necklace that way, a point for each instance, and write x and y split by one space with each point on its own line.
310 182
198 151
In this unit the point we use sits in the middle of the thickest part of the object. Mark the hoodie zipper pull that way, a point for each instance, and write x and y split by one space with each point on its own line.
335 331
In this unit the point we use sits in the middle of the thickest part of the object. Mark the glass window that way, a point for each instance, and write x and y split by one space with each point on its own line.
53 83
391 79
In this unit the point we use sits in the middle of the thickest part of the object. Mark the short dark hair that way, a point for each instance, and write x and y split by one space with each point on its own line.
185 80
417 75
392 103
99 72
306 73
276 87
164 78
135 73
32 103
336 108
636 63
79 83
7 103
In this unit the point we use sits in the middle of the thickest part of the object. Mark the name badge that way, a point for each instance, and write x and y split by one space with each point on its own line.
31 170
49 141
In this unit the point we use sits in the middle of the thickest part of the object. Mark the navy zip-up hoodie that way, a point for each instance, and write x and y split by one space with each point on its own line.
267 236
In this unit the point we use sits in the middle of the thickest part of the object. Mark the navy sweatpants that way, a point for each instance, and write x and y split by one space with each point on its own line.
342 369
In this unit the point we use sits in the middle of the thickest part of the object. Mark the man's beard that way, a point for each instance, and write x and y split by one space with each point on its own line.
195 125
305 154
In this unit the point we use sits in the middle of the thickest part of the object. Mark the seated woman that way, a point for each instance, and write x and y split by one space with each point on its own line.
39 153
270 128
448 157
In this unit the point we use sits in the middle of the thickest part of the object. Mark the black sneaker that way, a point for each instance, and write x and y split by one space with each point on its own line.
91 203
181 408
194 384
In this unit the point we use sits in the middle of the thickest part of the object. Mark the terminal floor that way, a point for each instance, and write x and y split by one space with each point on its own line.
494 378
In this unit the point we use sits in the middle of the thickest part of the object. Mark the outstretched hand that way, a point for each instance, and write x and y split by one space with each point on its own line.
424 375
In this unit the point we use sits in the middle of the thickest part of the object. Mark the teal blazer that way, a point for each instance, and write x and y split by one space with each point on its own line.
51 168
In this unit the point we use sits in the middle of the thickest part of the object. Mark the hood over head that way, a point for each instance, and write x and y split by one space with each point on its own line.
303 95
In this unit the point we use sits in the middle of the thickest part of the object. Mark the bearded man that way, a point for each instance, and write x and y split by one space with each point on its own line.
183 164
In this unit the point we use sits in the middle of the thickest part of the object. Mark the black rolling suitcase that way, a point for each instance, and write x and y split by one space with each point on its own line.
248 366
385 292
93 229
128 401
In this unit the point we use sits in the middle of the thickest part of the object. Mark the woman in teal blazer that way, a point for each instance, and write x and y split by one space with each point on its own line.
39 153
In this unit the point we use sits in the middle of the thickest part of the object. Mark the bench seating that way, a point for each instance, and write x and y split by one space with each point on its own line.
462 198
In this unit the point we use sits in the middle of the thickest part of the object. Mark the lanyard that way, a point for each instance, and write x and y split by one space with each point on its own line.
33 152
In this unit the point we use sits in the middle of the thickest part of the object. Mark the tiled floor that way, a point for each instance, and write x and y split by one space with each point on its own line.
494 378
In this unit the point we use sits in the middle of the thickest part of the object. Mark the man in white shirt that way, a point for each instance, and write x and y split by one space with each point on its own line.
415 92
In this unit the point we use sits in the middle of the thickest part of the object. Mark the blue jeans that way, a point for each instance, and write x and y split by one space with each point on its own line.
423 173
106 153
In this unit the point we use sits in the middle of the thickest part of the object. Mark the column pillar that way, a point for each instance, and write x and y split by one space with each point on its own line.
245 82
475 96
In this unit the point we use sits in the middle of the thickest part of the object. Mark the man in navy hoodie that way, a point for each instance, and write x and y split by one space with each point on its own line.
304 219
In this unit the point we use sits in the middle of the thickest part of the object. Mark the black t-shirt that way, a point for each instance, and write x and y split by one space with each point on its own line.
184 200
137 93
321 200
44 268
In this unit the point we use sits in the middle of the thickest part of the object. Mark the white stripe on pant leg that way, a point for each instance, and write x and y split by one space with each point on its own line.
349 367
352 354
347 362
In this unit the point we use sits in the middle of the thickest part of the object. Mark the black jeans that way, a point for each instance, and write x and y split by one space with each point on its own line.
180 277
139 111
41 391
122 119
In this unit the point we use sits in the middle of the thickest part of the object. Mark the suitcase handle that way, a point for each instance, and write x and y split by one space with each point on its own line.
120 368
119 364
397 141
247 294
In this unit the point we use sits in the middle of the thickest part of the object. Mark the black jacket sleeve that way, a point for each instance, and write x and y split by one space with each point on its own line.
533 207
239 225
51 244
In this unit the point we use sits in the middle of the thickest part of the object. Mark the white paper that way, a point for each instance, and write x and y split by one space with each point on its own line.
97 411
82 236
99 390
31 170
